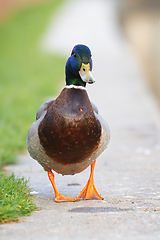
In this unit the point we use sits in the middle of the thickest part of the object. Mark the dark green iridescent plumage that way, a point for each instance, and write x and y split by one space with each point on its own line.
80 53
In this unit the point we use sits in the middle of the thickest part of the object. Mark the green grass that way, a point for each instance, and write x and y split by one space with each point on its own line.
15 199
27 76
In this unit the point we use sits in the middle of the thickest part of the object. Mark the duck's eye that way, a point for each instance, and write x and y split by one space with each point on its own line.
74 55
84 69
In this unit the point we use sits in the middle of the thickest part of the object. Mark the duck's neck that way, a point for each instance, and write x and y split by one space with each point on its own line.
75 87
73 78
76 81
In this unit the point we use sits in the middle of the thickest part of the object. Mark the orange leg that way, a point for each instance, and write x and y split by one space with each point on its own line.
59 197
90 191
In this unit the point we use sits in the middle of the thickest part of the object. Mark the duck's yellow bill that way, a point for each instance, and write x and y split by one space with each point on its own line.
85 73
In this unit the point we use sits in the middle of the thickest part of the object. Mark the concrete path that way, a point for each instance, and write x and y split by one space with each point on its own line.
127 174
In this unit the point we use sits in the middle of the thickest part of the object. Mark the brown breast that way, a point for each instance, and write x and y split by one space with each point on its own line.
69 132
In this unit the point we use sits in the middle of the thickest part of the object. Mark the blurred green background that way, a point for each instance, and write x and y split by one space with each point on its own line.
27 74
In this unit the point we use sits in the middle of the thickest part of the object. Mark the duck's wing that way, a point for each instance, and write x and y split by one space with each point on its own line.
43 108
105 136
95 109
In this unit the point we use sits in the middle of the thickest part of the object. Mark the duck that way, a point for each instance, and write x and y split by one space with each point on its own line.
69 134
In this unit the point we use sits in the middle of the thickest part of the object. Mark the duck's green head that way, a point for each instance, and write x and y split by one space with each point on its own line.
79 66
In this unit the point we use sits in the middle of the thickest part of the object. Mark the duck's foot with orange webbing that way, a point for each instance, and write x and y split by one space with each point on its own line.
90 191
58 196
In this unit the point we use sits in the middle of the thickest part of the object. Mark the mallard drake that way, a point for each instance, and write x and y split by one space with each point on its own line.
69 134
